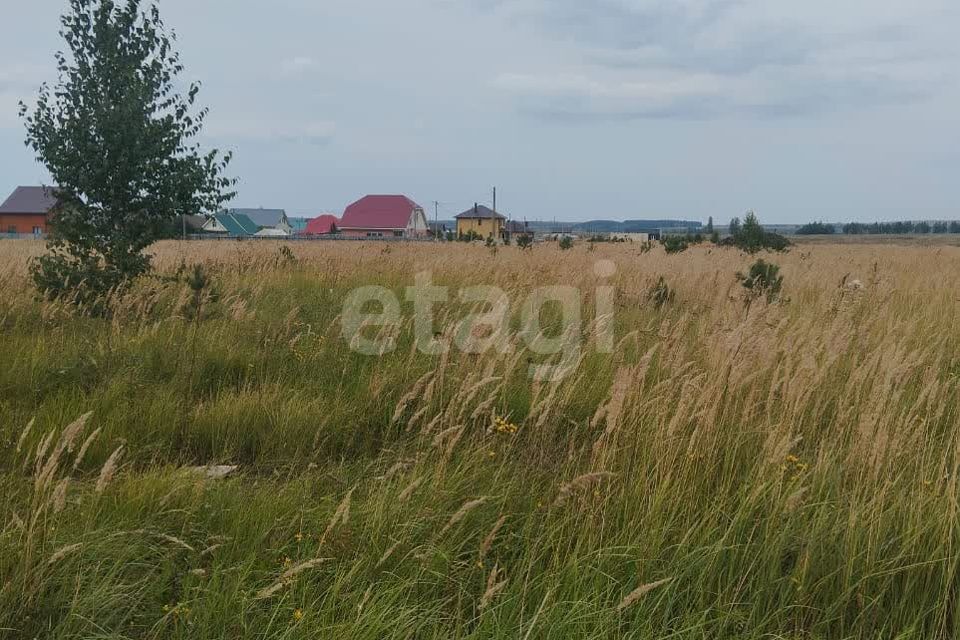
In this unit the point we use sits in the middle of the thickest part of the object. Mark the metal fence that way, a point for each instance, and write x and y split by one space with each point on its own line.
21 236
331 238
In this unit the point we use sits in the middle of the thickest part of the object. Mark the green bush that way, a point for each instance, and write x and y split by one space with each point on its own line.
750 236
675 244
660 294
763 280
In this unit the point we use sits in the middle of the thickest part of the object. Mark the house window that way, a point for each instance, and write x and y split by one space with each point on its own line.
374 234
37 231
398 234
11 229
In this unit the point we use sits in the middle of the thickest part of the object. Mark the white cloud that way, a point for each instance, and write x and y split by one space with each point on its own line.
707 58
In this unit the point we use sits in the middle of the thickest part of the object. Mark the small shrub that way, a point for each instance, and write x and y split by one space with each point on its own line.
286 257
525 241
566 242
763 280
675 244
660 294
197 280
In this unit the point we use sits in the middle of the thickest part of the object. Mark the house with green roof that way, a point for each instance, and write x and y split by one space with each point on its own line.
235 225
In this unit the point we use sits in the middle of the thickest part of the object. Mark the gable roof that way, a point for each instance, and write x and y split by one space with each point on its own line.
237 224
194 223
262 217
480 212
321 225
30 200
379 212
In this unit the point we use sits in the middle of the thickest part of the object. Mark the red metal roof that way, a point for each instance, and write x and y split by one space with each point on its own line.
379 212
29 200
321 225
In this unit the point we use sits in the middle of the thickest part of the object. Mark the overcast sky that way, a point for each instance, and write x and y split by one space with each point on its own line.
575 109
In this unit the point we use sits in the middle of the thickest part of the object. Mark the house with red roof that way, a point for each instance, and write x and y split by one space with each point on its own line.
27 211
384 217
323 225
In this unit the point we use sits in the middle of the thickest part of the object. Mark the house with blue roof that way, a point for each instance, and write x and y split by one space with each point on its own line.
235 225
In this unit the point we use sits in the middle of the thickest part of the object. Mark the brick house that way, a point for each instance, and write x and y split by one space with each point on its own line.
27 211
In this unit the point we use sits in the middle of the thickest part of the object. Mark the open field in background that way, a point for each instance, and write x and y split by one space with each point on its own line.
916 240
782 471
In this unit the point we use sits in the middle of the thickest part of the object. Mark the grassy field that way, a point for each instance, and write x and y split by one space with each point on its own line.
783 470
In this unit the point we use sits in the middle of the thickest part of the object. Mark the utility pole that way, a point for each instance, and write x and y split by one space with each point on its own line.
436 221
494 199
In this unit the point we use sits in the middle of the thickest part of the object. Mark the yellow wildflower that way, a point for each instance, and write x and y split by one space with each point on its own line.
504 426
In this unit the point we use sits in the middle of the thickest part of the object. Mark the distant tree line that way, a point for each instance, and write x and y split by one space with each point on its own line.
901 228
816 229
747 235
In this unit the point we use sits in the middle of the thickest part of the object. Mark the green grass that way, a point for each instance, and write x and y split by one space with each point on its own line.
791 470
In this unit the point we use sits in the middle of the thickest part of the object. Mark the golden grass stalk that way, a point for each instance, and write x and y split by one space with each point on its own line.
42 452
287 577
396 468
794 500
406 493
59 498
446 433
65 444
109 470
84 448
25 434
63 553
389 552
639 592
462 513
487 543
410 397
340 516
177 541
579 483
493 589
364 600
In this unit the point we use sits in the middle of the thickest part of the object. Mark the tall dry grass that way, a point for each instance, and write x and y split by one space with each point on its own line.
785 470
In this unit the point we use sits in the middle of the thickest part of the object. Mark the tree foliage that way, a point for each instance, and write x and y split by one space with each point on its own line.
750 236
763 280
525 241
816 229
901 228
675 244
117 138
